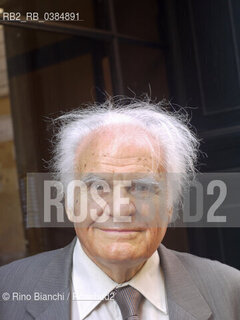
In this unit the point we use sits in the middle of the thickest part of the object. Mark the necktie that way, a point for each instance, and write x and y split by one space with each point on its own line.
128 300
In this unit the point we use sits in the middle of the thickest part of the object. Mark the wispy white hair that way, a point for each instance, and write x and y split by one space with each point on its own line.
171 129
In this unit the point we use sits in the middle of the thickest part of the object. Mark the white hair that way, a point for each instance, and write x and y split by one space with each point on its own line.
171 129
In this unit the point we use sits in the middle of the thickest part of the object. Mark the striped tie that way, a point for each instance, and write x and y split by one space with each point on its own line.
128 300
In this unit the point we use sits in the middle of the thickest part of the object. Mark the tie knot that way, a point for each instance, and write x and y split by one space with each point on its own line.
128 300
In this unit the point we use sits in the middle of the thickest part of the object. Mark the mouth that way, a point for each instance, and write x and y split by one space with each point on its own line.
121 230
120 233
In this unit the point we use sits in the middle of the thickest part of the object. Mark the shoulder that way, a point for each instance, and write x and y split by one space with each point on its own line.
217 283
211 275
31 267
206 266
47 272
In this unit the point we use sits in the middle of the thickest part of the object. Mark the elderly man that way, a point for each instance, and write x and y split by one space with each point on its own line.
116 267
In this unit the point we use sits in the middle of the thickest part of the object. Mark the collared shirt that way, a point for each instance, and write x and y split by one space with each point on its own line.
91 290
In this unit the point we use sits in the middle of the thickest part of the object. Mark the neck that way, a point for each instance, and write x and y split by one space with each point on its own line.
120 273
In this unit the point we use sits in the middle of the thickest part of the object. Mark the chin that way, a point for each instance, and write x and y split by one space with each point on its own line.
122 252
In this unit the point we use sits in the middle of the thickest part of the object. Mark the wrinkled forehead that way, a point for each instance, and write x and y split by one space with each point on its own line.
119 145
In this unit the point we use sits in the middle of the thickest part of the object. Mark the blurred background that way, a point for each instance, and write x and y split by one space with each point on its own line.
184 51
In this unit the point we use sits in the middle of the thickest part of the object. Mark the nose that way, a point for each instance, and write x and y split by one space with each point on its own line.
125 209
123 205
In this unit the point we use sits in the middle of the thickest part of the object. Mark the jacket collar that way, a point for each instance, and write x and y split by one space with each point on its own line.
185 302
56 278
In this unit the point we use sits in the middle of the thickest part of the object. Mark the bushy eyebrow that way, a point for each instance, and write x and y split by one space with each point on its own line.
92 177
146 180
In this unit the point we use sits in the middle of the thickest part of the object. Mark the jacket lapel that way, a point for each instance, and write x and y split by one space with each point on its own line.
56 279
185 302
184 299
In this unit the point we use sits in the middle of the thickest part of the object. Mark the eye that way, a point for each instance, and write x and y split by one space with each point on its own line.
139 187
99 187
95 184
144 190
142 187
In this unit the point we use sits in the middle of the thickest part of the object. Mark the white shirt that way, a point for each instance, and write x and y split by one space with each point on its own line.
90 285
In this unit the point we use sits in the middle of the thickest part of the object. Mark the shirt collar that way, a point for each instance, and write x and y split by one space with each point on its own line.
147 279
91 285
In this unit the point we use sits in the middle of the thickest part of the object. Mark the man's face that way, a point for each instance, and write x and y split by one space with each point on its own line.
122 153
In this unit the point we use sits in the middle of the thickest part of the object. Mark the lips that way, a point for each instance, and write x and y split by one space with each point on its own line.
121 230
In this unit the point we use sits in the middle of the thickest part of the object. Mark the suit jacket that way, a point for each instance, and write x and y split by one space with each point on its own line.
197 288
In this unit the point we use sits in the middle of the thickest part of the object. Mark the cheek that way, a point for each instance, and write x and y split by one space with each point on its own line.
90 239
155 237
153 212
89 242
86 212
81 234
